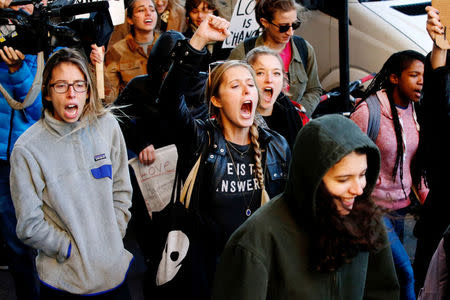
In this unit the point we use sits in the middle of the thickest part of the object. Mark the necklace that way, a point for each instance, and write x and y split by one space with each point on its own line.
248 211
234 148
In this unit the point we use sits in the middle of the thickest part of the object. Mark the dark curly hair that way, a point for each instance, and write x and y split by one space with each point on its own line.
336 239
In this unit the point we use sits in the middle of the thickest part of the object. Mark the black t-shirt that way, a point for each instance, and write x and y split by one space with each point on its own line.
237 194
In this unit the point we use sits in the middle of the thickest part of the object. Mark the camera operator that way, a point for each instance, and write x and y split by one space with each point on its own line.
17 72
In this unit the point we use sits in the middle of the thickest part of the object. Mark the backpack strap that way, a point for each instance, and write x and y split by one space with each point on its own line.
373 104
302 49
249 44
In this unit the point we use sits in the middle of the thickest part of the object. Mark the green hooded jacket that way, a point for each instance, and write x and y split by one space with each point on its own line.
267 257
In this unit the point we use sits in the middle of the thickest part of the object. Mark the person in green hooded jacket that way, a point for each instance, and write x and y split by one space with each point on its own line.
322 238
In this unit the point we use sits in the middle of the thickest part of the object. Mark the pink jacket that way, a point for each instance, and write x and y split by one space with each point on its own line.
388 193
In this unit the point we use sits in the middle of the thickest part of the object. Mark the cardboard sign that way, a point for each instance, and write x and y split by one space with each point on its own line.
116 10
243 23
156 180
443 40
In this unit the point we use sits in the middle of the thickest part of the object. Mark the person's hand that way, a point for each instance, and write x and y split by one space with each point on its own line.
96 56
434 25
212 29
147 156
5 3
12 57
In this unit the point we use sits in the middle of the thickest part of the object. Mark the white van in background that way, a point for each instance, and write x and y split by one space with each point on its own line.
376 30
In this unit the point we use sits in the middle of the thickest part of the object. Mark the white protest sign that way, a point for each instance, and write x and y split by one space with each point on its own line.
243 23
156 180
116 10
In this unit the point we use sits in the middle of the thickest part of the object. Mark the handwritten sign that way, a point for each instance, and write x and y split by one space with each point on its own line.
156 180
443 40
243 23
116 10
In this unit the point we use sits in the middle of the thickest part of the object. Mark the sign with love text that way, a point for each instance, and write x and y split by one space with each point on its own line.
156 180
243 23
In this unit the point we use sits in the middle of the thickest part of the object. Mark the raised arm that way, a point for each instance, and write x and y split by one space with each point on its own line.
434 28
187 56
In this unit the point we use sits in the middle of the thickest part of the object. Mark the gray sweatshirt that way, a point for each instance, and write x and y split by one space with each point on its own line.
72 194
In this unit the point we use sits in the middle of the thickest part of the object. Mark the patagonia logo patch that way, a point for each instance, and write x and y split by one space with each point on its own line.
100 157
104 171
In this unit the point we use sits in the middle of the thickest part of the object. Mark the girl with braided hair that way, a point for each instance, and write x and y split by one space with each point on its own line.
240 161
397 88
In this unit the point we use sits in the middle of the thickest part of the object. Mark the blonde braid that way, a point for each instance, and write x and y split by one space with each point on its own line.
254 135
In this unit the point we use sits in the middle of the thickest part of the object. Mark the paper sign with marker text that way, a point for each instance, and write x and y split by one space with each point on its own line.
243 23
156 180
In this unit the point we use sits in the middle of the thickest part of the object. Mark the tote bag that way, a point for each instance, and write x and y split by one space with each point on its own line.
174 233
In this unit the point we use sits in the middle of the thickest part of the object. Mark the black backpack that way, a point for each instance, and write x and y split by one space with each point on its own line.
299 42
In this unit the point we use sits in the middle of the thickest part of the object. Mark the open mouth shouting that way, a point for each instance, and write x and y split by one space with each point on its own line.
71 111
267 94
247 109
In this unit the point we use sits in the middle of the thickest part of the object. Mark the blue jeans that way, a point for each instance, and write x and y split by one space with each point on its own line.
21 258
397 218
402 263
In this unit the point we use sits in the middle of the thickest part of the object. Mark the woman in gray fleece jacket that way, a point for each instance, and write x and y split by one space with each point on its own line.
71 189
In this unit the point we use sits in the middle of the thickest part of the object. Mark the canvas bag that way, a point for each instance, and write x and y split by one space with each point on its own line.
173 230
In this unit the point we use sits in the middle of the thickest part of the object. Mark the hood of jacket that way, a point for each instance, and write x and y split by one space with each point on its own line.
320 144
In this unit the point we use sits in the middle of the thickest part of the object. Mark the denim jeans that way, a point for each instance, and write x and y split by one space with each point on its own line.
402 263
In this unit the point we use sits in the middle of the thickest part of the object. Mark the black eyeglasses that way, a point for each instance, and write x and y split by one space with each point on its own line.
62 87
285 28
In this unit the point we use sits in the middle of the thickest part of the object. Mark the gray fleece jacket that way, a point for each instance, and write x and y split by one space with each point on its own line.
72 193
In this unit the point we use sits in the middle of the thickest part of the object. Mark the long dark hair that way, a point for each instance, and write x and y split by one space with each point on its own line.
336 239
395 64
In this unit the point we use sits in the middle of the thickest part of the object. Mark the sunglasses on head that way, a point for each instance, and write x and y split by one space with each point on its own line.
285 28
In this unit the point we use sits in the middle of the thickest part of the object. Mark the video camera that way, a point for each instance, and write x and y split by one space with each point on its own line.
54 26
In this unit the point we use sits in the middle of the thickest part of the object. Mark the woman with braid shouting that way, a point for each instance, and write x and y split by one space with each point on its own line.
242 165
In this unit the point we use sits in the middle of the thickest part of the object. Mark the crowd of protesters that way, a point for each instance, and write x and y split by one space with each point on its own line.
282 206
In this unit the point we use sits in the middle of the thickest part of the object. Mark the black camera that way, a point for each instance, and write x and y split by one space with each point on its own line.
54 25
